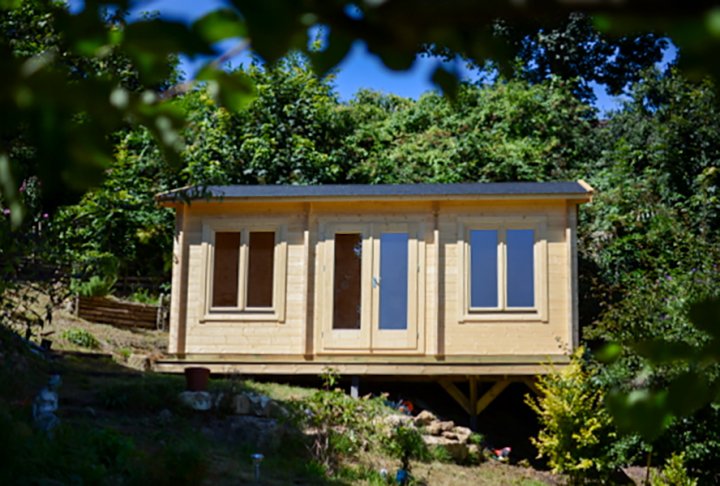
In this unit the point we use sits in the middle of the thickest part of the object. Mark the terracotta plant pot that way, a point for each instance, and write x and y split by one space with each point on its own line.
196 378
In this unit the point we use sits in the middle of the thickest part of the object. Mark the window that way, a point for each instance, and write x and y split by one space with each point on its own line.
504 267
346 281
246 272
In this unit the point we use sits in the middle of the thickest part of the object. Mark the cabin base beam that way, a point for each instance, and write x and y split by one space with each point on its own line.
427 367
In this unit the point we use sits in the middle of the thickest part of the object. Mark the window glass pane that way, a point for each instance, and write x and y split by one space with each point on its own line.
393 280
225 270
520 268
483 268
346 284
261 256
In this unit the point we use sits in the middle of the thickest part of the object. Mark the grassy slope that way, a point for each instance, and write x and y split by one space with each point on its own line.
124 426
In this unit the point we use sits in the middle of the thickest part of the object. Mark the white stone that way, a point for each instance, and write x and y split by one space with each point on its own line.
200 400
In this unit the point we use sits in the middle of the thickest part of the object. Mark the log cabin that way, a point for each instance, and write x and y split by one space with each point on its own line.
449 282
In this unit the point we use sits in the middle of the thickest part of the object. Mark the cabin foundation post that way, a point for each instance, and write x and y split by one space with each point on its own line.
355 387
473 400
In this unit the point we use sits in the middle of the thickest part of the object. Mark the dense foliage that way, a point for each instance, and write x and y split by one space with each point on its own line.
577 435
649 243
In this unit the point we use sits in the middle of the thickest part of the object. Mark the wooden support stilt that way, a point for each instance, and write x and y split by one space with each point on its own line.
472 405
490 395
532 384
458 395
473 401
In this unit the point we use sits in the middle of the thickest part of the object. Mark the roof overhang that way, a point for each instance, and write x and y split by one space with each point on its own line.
575 191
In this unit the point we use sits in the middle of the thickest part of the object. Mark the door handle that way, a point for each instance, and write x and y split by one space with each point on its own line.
375 282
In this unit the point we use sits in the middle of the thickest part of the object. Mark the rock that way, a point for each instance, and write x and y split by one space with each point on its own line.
460 434
241 405
258 404
458 451
397 419
138 362
424 418
201 401
439 427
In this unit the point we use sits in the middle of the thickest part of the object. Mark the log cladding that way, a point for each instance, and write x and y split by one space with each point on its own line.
118 313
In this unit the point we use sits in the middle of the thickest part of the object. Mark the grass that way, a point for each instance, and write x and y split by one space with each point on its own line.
122 426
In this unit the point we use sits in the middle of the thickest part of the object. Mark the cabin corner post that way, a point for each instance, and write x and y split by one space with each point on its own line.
436 326
178 297
573 305
309 241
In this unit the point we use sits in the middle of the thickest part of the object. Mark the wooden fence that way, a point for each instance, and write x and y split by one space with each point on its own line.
107 310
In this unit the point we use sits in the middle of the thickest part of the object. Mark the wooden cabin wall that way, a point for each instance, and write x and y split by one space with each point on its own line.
487 337
246 336
442 330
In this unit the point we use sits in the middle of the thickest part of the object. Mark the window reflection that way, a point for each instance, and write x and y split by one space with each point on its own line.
483 268
346 281
520 268
393 280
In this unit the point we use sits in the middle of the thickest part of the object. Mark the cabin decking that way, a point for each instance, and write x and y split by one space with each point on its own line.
402 367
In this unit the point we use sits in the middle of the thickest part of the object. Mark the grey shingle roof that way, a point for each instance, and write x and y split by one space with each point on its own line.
562 189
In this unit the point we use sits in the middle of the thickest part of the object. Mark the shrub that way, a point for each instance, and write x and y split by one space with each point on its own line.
340 425
577 436
406 443
95 287
674 473
81 337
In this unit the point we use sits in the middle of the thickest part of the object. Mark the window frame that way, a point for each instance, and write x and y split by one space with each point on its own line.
369 337
241 312
502 312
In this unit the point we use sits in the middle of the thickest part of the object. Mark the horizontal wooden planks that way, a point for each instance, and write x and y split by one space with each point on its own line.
118 313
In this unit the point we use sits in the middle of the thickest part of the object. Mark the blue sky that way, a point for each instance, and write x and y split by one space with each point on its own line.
358 70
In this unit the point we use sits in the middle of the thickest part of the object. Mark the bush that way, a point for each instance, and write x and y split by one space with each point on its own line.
674 473
80 337
341 426
406 443
577 436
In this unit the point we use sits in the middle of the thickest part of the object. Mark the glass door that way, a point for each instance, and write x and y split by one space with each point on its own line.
394 287
346 267
369 287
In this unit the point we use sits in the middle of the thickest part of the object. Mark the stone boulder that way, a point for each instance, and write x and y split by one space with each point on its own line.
439 427
241 405
397 420
459 452
424 418
460 434
199 400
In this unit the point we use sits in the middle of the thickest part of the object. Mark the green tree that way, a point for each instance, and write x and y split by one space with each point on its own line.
501 132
